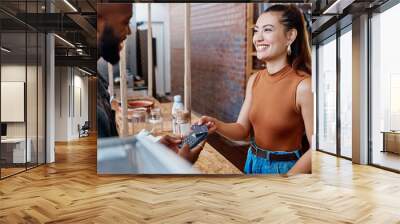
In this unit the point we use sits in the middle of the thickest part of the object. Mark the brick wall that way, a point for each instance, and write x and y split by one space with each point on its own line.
218 55
176 38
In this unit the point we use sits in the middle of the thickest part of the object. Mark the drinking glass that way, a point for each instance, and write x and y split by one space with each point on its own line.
155 121
138 120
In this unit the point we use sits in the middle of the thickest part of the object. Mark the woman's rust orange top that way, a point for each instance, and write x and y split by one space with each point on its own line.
277 123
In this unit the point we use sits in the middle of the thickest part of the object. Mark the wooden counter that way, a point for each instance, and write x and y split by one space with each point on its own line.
210 161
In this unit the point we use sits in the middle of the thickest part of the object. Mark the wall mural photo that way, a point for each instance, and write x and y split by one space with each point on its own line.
204 88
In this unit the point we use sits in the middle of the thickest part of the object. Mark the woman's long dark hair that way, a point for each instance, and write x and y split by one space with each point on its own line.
293 18
300 57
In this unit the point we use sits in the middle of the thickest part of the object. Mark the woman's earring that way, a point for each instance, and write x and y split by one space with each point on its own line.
289 50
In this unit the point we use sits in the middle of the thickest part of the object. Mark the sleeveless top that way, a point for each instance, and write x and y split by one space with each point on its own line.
277 123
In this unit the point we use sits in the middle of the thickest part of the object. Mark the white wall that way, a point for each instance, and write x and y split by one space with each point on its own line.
68 82
159 13
12 73
33 126
61 105
80 82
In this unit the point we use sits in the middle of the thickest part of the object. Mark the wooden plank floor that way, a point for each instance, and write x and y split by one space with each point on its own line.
69 191
10 171
389 159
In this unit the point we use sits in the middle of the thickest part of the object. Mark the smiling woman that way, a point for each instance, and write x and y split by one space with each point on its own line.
277 112
279 30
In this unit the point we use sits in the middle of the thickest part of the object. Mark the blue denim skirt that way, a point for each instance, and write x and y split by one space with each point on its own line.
259 165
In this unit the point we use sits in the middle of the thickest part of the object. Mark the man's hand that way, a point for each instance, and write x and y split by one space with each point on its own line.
191 155
171 142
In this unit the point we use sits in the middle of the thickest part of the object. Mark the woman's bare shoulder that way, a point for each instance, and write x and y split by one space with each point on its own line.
253 79
305 86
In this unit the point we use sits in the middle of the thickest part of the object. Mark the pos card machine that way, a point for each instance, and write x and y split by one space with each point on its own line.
198 134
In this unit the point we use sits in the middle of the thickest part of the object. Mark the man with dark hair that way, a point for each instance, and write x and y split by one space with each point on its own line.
112 29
